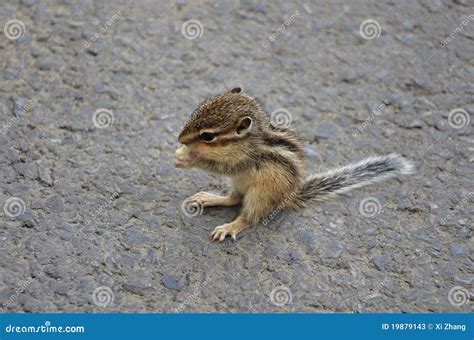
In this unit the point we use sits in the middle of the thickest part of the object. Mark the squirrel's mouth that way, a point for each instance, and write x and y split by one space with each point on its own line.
184 157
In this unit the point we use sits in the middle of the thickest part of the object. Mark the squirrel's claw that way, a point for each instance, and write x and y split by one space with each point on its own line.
229 229
222 231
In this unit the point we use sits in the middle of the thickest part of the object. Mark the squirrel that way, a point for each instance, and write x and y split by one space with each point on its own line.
231 135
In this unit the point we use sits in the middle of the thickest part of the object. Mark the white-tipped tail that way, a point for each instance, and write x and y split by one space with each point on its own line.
371 170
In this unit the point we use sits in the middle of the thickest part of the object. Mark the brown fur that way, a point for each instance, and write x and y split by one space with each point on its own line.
265 163
265 166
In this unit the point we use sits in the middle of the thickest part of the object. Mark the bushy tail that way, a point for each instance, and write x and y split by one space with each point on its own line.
320 187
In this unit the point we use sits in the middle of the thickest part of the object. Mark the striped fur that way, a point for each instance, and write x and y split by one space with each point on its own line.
266 165
320 187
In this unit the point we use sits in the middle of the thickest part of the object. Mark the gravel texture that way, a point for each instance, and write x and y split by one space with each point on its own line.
94 93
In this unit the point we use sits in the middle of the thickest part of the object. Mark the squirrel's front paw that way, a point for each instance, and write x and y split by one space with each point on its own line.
229 229
184 158
222 231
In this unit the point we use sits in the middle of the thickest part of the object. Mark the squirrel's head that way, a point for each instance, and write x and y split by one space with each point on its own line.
220 126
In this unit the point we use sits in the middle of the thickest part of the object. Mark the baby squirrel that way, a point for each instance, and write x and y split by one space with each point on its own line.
231 135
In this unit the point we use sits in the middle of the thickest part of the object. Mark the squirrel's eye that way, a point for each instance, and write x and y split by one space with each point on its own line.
207 136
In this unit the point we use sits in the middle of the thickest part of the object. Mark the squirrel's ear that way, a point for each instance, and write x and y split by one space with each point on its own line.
244 126
236 90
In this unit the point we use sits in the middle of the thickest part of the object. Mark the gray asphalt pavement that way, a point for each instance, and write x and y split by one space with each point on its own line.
94 93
